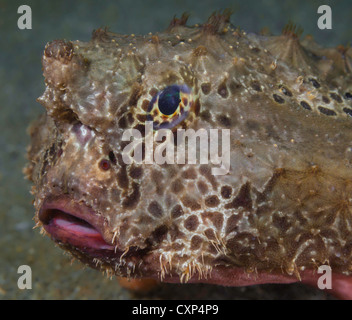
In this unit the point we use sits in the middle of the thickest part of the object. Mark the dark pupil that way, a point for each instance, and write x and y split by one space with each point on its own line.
169 100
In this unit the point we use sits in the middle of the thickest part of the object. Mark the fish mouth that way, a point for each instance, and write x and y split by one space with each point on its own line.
76 225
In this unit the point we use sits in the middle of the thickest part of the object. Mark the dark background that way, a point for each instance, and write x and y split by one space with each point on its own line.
22 82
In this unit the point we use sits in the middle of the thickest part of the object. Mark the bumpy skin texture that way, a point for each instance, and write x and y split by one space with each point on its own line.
283 209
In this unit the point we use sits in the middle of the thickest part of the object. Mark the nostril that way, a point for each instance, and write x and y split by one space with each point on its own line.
104 164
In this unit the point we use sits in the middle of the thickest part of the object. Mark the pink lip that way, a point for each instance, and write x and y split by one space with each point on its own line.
76 224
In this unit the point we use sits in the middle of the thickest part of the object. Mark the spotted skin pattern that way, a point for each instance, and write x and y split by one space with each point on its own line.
285 206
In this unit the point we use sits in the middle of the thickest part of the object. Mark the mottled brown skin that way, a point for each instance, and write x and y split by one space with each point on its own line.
283 209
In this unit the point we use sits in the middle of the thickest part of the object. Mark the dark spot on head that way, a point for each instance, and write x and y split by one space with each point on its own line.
212 201
157 177
216 218
132 199
255 50
205 115
135 94
326 111
122 123
190 174
306 105
315 83
141 117
191 223
226 192
196 241
176 211
256 86
205 170
202 187
141 128
177 186
325 99
206 87
336 97
196 107
159 234
224 120
348 111
232 223
112 157
286 91
155 209
222 90
243 199
104 164
130 118
348 95
145 105
210 234
278 98
153 92
122 178
136 172
190 202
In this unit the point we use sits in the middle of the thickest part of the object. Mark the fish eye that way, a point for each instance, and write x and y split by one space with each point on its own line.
170 106
169 100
